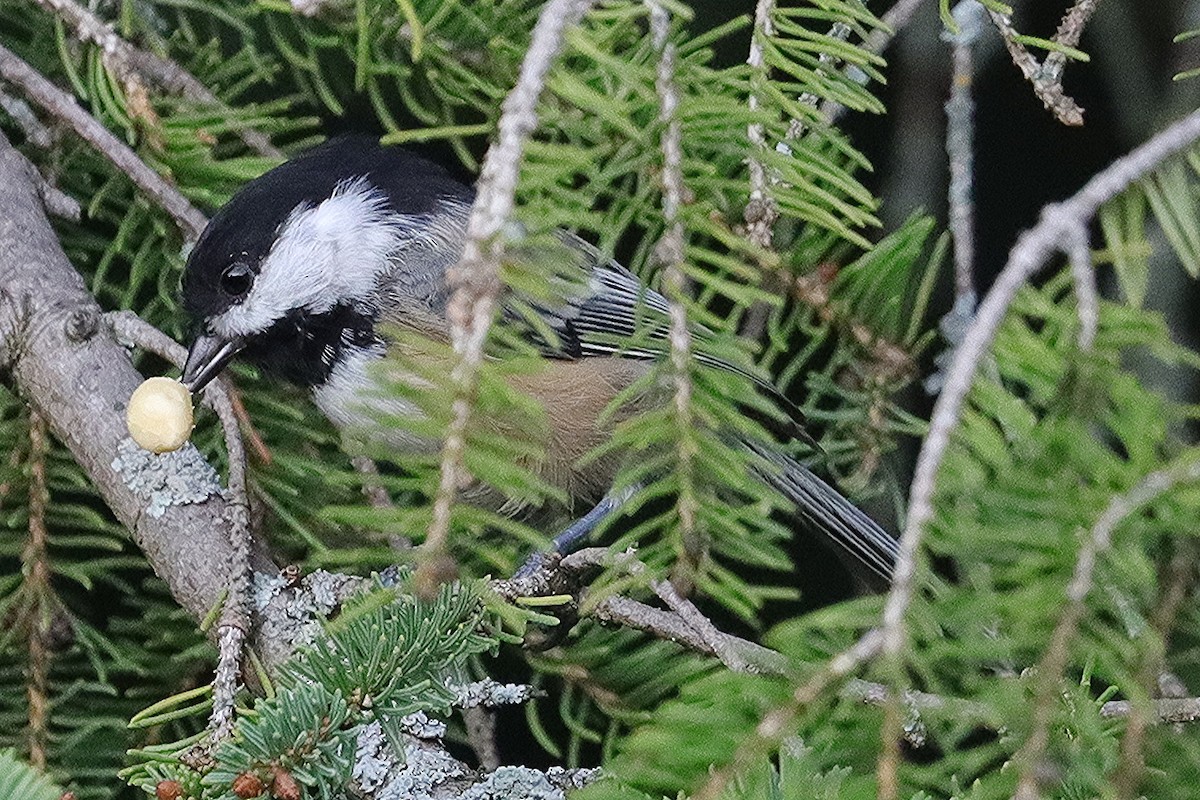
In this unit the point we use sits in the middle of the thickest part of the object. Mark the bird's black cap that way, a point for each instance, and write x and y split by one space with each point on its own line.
246 227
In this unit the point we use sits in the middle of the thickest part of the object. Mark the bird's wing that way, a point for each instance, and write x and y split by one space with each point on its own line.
592 306
600 308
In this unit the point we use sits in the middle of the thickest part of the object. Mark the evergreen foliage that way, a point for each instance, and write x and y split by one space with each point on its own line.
385 657
1050 436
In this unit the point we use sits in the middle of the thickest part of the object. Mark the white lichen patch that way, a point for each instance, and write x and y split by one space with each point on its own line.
164 480
526 783
372 761
490 694
297 617
421 726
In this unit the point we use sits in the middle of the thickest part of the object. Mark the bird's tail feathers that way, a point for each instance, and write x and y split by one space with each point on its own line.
853 534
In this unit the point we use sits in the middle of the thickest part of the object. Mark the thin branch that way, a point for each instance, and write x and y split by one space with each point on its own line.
372 487
894 20
1179 579
475 279
63 106
130 63
36 560
960 145
1054 660
1166 711
1069 32
1048 89
1087 293
761 213
564 575
20 113
775 724
669 252
235 614
1033 249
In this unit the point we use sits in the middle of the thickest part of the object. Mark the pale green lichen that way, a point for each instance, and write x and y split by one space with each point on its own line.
164 480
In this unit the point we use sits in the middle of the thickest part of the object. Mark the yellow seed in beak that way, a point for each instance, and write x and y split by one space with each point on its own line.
159 416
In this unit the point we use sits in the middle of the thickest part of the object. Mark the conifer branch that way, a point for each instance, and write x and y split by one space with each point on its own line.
669 252
1054 660
133 64
760 213
1054 232
1179 578
36 560
64 107
1046 85
475 280
774 725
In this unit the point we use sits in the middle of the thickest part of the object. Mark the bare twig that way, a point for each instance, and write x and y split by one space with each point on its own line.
775 724
1087 293
63 106
556 576
1069 32
373 488
1049 90
1167 710
1054 660
20 112
960 144
36 560
1179 579
131 63
475 279
1058 223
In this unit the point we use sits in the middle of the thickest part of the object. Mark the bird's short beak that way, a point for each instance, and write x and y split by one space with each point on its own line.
207 356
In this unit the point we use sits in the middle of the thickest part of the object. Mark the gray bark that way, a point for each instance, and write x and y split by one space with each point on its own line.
65 362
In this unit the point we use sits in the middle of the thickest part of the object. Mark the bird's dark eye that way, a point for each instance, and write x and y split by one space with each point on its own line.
236 280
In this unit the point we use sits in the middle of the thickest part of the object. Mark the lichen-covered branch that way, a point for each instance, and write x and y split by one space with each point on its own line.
68 365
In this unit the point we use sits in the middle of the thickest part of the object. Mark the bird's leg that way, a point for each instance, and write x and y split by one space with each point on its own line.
578 531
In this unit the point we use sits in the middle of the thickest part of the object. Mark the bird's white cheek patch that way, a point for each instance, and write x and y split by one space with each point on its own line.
324 255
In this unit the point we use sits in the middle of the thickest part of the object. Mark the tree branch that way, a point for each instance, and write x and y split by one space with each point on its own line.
1047 87
129 62
63 106
475 279
70 367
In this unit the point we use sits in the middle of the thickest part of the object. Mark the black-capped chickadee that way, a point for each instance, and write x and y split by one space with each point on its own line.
308 266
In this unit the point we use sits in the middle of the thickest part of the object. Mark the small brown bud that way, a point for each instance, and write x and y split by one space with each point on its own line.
168 790
247 785
67 796
292 574
284 786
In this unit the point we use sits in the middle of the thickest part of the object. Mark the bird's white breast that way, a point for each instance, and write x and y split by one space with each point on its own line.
356 401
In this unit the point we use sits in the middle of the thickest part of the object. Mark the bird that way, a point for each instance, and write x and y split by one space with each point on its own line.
319 268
